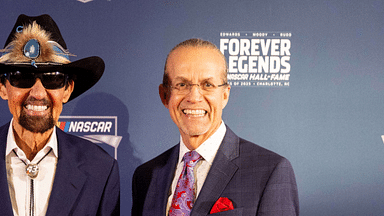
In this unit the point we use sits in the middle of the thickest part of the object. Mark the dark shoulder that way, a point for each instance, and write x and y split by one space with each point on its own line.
247 150
4 129
158 161
246 145
3 135
5 126
252 152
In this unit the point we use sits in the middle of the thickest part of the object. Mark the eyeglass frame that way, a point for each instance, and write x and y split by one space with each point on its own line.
189 87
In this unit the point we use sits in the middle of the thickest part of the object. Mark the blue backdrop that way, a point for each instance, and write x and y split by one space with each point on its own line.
328 122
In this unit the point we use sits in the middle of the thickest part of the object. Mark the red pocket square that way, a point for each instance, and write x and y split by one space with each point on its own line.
222 204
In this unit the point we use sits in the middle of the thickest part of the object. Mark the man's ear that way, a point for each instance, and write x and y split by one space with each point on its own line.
3 91
68 91
226 92
163 93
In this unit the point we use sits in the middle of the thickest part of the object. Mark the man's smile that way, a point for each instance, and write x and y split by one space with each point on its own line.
194 112
35 107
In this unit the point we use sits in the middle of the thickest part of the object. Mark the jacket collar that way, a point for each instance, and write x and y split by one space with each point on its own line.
221 172
69 179
6 206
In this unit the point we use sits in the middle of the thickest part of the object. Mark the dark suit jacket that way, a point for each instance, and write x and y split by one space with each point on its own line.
86 180
256 180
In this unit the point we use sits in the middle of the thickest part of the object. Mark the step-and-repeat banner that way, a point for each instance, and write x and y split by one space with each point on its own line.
307 82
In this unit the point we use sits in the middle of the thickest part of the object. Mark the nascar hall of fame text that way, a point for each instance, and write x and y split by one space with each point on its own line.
256 58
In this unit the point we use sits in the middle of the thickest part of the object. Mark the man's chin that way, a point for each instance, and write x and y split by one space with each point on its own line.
36 124
194 131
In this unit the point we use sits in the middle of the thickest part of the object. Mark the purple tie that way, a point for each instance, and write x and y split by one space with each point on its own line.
184 197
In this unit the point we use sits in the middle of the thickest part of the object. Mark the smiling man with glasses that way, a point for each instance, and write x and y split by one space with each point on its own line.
44 171
211 170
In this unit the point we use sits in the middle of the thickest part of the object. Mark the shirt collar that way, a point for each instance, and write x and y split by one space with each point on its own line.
208 148
11 143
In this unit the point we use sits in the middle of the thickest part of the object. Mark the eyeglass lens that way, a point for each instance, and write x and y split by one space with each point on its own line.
205 87
50 80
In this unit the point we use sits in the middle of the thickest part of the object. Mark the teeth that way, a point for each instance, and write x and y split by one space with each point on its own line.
194 112
36 108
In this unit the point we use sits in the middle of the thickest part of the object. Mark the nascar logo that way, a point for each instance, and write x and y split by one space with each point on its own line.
88 126
97 129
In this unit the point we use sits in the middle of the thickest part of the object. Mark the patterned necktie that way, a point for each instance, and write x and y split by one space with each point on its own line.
184 197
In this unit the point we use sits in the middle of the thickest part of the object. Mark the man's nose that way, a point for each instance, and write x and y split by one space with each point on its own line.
195 94
37 90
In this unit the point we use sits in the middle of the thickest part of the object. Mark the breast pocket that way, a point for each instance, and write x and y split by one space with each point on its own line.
234 212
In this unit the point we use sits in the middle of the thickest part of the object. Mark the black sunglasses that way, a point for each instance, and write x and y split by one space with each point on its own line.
50 80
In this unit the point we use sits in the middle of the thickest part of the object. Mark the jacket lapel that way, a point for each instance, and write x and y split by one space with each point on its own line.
68 181
219 175
158 191
167 181
6 205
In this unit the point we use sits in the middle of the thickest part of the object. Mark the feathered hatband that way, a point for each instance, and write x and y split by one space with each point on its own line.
32 45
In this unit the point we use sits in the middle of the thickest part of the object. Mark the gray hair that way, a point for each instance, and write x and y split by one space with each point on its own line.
198 43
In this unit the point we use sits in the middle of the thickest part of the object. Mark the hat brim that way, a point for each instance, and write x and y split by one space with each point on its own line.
85 72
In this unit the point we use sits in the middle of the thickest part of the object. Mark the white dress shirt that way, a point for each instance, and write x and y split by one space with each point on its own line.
19 183
208 151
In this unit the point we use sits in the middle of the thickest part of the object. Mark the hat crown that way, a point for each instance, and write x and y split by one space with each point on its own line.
36 45
44 21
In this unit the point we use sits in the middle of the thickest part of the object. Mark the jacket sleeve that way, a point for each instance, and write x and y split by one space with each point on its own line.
280 196
110 202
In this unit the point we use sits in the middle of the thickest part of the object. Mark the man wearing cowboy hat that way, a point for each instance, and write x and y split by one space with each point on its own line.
44 171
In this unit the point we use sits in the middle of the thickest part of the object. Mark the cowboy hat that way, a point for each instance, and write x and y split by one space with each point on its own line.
36 45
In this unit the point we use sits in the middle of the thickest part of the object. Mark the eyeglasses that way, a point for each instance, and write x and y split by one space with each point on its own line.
205 87
50 80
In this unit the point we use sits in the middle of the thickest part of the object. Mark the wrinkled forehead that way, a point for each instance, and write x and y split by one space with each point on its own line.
197 63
